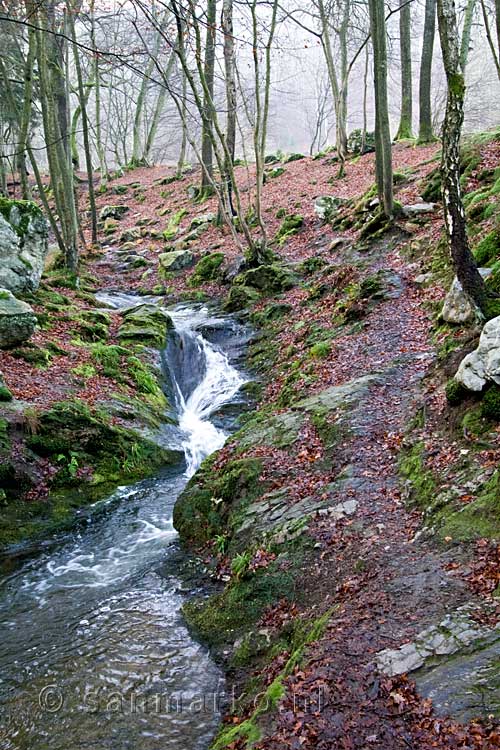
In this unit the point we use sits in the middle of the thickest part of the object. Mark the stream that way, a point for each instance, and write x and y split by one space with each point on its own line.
93 649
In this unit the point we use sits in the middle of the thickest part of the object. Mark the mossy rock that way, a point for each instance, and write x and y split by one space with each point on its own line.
203 508
293 157
476 520
289 227
267 278
5 393
455 392
32 354
240 297
421 482
487 251
145 324
207 269
490 404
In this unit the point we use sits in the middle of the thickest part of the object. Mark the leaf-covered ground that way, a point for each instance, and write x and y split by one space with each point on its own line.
379 583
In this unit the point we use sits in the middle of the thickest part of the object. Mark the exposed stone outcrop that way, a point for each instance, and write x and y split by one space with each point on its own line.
483 364
176 260
457 307
23 245
17 320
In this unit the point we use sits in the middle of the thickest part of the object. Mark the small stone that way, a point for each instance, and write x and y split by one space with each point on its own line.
113 212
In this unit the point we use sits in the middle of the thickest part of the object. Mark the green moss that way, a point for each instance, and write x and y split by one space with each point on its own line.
478 519
321 350
289 226
109 358
455 392
84 371
207 269
490 404
25 210
488 250
32 354
173 224
203 507
269 278
420 479
5 394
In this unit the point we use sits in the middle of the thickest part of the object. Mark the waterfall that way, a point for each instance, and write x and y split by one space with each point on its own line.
198 398
100 615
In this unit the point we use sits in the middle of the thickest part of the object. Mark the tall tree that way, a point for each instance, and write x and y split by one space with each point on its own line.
383 147
208 101
405 122
230 75
454 214
425 132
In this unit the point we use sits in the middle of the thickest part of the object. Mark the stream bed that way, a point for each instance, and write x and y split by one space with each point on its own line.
93 649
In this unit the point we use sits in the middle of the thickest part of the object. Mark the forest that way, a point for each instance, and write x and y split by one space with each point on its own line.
250 374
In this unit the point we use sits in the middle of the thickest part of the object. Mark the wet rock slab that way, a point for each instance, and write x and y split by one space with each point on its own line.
456 664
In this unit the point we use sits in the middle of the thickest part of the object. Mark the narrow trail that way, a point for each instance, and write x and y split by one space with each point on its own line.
389 585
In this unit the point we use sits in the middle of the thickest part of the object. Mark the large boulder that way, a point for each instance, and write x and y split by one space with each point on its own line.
176 260
145 324
17 320
23 245
483 364
327 206
457 307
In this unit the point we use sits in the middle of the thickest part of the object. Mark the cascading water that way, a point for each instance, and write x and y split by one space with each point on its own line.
93 650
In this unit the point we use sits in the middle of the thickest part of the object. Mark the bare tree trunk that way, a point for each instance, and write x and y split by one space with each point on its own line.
85 126
26 113
206 138
454 214
494 52
466 34
97 79
425 133
182 152
405 122
230 73
365 98
383 147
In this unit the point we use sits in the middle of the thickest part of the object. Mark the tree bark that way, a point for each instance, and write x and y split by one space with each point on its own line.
405 122
208 104
454 214
425 132
383 146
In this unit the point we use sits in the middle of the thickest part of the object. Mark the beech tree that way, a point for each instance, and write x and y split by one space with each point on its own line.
425 130
454 214
383 147
406 116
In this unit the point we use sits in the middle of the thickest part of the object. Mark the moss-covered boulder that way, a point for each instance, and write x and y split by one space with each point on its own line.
176 260
289 226
17 320
239 298
268 278
113 212
207 269
23 245
145 324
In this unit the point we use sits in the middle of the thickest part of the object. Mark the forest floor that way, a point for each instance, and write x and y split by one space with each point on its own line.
368 575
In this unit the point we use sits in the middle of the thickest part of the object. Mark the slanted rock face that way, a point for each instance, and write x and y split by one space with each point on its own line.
176 260
456 306
483 364
23 245
145 324
17 320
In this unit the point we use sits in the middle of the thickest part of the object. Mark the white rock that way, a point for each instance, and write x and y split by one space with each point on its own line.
17 320
23 246
456 307
483 364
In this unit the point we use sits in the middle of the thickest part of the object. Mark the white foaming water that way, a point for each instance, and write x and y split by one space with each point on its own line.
219 385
